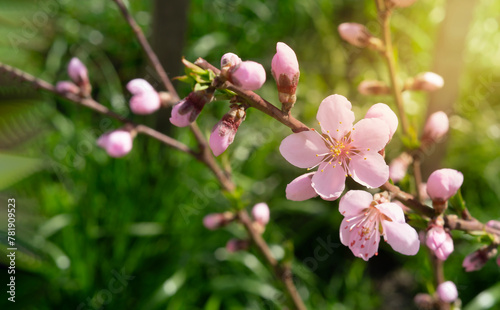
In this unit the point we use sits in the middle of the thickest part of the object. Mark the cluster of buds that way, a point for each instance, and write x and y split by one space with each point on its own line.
445 292
79 84
260 214
439 241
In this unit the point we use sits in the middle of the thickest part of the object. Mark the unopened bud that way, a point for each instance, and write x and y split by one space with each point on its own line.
225 130
234 245
285 70
476 260
229 60
426 81
369 88
260 213
145 99
443 184
217 220
248 75
436 127
79 75
440 242
117 143
358 35
399 166
188 109
447 291
67 87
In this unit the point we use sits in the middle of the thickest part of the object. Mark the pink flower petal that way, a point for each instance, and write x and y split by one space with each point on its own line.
370 170
393 211
345 232
335 116
329 182
401 237
301 189
354 202
300 149
383 112
370 133
362 247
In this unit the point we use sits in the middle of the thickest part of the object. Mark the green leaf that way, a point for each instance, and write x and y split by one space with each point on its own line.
15 168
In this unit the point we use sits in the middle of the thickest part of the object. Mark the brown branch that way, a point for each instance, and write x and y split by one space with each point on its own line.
93 105
283 273
257 101
147 49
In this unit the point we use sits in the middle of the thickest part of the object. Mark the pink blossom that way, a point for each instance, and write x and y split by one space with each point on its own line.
436 127
403 3
427 81
260 213
117 143
366 220
78 72
213 221
67 87
447 291
285 70
229 60
399 166
476 260
444 183
301 188
248 75
440 242
342 150
383 112
355 34
224 131
368 88
145 99
187 110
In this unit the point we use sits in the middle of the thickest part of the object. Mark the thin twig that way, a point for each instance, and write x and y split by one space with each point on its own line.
384 17
283 273
147 49
93 105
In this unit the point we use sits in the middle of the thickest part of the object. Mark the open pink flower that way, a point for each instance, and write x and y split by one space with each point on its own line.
366 220
342 150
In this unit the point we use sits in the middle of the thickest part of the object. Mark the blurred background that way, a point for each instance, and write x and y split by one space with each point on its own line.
127 233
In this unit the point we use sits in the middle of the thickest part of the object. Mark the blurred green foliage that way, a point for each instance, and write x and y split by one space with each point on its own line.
83 217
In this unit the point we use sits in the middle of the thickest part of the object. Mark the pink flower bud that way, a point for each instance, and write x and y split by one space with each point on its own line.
427 81
248 75
383 112
224 131
369 88
78 72
229 60
476 260
117 143
356 34
188 109
214 220
285 70
440 242
493 224
447 291
260 213
234 245
67 87
444 183
399 166
403 3
301 189
145 99
436 127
